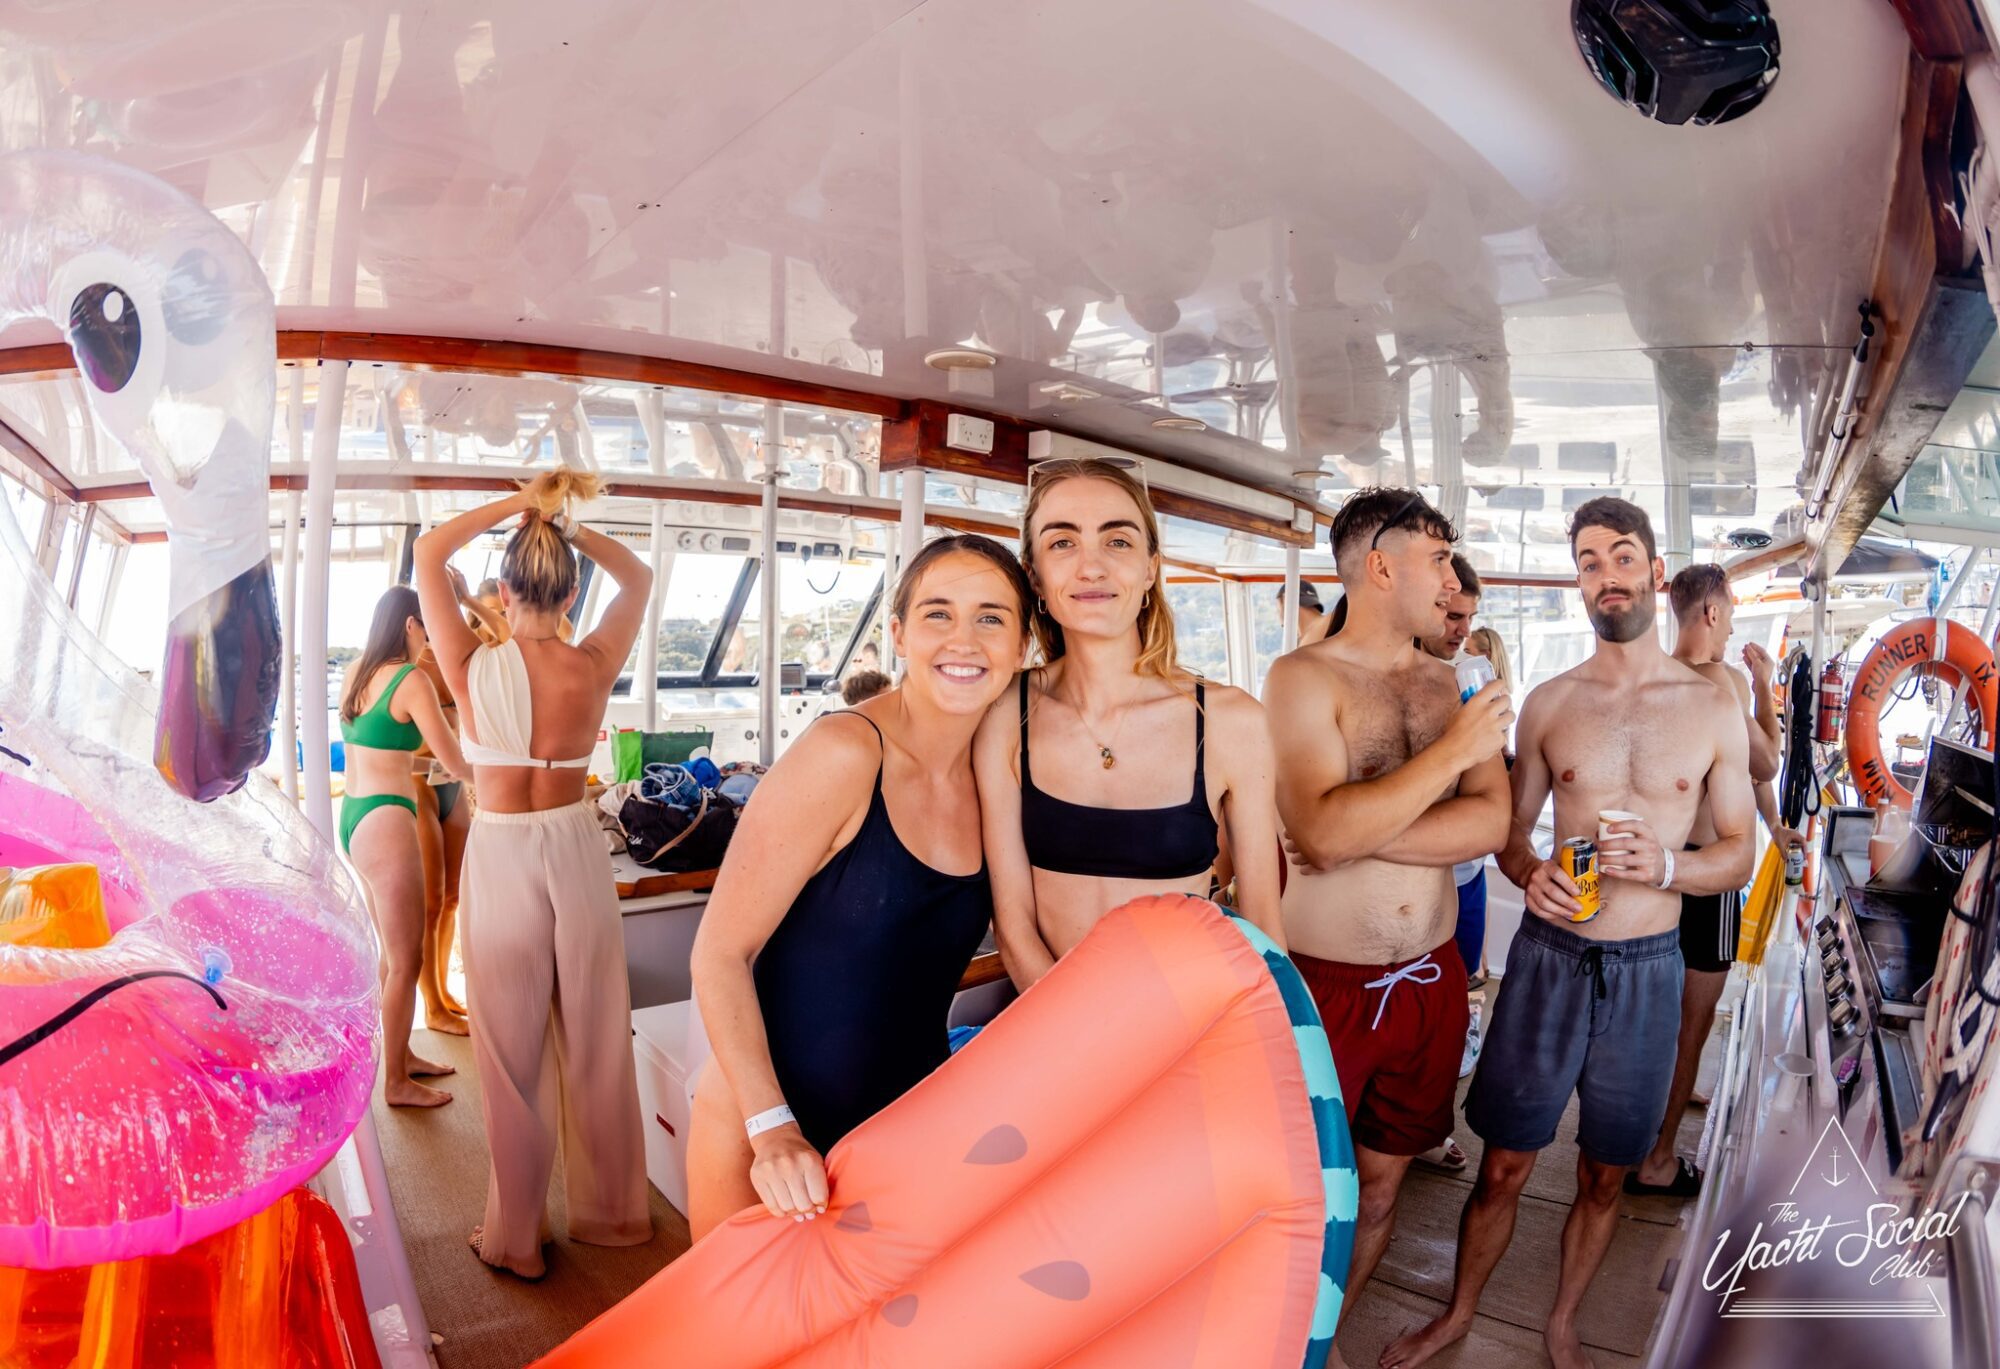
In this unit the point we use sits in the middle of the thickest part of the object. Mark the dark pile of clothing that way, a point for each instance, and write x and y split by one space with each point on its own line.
678 818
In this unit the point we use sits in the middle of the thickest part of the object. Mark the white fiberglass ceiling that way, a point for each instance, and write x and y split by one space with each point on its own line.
1285 217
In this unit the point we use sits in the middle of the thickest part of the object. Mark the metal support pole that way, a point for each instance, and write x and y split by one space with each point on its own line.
1952 591
1288 625
82 551
646 672
1819 625
910 542
767 584
119 554
318 553
288 650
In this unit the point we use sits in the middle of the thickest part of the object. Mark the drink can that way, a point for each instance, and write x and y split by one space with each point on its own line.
1577 858
1474 674
1795 865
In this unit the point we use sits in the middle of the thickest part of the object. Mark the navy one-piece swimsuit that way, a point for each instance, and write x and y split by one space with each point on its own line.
857 981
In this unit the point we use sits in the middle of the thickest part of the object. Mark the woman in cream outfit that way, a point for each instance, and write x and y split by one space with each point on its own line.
544 953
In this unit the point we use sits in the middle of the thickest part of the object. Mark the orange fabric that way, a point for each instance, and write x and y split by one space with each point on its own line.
276 1291
54 907
1122 1169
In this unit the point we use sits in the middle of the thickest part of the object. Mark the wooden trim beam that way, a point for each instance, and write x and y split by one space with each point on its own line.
917 441
1933 325
1941 30
60 485
912 431
530 358
48 359
512 358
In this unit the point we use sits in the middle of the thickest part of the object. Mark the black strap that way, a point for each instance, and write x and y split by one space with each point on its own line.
22 1043
1024 729
1200 744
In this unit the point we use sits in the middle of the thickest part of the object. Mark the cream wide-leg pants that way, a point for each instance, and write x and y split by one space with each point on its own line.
551 1032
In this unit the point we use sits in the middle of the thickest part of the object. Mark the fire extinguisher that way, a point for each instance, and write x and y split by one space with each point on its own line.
1832 703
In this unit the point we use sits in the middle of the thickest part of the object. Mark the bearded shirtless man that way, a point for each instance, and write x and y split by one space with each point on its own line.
1593 1008
1705 613
1384 782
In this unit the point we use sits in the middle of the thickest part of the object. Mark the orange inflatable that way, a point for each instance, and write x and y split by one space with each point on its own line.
276 1291
1967 663
1143 1161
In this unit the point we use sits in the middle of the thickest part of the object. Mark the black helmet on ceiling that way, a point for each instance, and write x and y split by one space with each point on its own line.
1680 61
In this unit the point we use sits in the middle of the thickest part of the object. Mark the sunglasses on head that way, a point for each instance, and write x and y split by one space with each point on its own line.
1070 465
1395 520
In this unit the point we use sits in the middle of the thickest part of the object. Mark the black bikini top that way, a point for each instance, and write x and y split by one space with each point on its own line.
1119 843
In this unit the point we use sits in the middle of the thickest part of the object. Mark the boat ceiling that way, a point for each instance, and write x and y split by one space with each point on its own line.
1282 217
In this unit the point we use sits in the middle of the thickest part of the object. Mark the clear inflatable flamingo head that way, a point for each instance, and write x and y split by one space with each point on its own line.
174 332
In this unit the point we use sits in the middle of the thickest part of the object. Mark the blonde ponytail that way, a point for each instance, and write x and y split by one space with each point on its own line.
554 491
539 568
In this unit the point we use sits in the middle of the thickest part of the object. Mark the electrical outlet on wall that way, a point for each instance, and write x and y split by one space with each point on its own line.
963 432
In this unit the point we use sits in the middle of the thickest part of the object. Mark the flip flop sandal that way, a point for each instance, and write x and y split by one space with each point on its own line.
1447 1157
1686 1182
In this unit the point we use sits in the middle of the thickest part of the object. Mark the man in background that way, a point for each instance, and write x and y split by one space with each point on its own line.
1312 615
1705 614
1469 876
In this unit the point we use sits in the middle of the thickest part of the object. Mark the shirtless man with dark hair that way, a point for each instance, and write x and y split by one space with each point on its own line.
1705 614
1593 1007
1384 782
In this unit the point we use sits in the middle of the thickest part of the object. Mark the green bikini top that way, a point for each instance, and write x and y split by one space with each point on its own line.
378 727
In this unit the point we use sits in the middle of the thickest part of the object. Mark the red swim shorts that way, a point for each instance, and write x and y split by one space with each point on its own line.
1398 1034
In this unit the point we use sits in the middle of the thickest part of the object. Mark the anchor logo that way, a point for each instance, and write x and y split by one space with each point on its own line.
1834 1179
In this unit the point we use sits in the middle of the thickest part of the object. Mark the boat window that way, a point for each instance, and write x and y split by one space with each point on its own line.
1199 635
819 603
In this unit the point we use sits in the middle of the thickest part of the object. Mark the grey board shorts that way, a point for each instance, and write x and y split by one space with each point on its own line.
1601 1018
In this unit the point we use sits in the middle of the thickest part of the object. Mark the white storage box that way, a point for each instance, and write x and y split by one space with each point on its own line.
660 1041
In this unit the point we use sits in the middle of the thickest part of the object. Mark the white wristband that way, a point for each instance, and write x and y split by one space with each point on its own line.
767 1119
1667 878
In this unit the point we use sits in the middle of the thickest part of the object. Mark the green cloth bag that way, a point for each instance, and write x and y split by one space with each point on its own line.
633 751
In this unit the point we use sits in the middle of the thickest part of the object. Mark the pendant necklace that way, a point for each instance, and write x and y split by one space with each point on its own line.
1103 751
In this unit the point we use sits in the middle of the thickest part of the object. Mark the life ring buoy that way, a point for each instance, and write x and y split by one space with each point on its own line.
1966 662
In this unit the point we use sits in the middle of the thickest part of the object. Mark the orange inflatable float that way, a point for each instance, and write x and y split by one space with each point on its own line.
1144 1160
1967 663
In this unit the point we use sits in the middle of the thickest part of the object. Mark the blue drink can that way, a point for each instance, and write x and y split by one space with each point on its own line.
1474 674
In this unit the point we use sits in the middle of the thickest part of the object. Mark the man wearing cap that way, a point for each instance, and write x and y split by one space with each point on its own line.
1312 616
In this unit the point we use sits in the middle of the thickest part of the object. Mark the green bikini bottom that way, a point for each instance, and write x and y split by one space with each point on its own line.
353 809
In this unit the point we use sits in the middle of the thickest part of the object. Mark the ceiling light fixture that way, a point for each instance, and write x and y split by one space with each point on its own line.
1180 423
961 359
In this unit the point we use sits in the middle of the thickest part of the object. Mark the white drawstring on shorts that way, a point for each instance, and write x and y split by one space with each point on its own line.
1413 972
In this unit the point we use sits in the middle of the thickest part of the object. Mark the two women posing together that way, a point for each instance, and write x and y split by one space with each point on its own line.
863 878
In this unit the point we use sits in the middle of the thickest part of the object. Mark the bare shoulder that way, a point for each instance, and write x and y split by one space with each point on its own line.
1725 677
1710 683
1315 667
840 748
1002 719
1232 712
1563 691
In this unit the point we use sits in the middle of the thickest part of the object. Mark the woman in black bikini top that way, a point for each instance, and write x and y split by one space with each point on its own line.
1140 768
853 897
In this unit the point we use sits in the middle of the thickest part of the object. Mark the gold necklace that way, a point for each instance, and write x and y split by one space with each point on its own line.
1103 751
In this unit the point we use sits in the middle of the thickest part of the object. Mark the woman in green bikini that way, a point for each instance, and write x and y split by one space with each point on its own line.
389 708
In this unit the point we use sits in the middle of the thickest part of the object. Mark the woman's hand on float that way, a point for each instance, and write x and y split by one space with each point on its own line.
788 1173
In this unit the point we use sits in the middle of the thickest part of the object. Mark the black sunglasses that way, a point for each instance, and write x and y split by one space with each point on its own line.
1396 519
